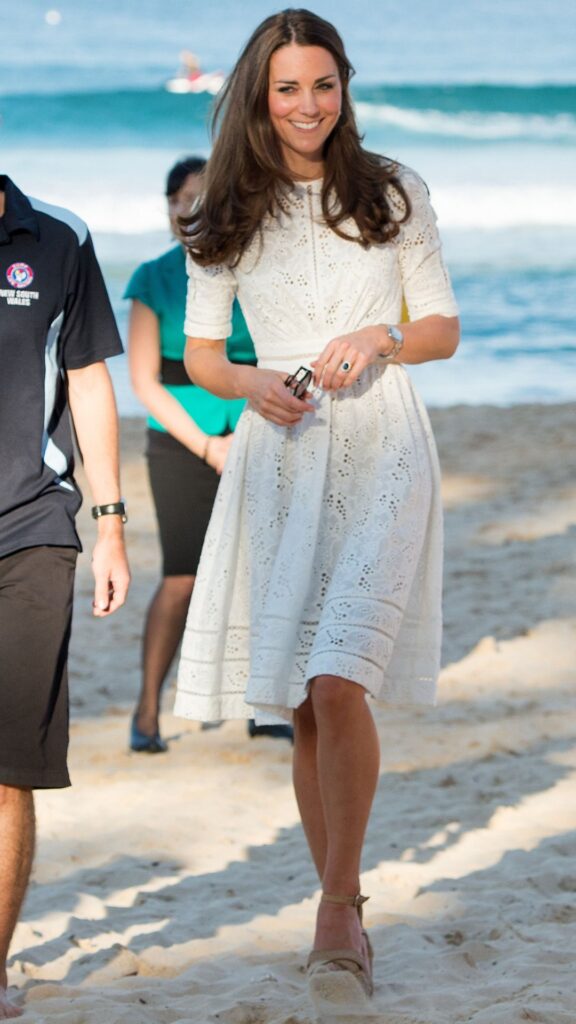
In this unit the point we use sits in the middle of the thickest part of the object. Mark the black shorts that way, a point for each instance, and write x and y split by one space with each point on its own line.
36 591
183 488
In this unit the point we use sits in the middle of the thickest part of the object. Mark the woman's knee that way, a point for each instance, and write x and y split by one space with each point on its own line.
333 696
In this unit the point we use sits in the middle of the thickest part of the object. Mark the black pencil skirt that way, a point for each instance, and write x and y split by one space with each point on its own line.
183 489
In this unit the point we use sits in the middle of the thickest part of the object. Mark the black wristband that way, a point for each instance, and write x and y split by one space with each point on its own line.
117 508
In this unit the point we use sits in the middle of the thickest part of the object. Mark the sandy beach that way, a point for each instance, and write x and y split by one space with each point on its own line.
177 888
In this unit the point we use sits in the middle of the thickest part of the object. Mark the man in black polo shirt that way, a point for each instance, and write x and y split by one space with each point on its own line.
56 330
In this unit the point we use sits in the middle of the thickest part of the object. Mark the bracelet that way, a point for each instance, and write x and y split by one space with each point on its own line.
115 508
394 352
397 338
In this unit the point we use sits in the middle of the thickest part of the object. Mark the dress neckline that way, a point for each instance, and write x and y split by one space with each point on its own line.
314 184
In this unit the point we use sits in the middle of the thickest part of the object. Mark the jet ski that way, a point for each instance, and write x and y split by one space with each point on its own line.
202 81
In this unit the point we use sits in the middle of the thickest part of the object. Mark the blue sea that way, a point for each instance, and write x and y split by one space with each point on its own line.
480 98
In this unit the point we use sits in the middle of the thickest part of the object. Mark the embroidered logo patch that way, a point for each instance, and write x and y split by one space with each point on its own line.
19 275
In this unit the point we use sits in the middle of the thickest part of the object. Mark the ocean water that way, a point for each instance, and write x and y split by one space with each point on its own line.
479 98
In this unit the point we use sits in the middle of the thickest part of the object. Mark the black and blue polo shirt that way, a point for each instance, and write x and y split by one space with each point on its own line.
55 315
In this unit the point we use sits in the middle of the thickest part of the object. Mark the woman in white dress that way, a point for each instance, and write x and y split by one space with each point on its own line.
320 578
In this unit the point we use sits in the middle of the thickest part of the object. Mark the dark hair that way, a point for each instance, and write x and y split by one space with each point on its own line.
246 176
179 172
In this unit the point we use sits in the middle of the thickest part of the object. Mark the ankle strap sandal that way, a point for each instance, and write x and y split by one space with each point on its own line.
338 978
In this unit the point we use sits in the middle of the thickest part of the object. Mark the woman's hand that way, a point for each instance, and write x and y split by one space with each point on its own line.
268 395
357 350
217 448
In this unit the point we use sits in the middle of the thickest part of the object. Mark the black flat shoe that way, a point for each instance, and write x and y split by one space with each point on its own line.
277 732
141 743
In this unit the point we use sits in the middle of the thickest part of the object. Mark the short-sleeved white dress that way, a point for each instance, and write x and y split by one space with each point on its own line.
324 550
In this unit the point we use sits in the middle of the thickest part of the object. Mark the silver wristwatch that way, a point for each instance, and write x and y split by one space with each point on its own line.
397 339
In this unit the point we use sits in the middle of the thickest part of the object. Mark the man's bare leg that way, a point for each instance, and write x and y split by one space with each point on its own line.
17 831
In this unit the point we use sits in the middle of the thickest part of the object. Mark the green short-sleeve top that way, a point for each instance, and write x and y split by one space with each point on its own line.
161 284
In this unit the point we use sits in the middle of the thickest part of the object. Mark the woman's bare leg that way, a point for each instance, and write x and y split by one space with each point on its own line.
306 784
165 622
343 786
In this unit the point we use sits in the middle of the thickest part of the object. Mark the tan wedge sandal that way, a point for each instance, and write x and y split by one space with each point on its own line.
340 980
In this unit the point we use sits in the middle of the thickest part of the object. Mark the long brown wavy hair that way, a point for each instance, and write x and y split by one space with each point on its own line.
246 176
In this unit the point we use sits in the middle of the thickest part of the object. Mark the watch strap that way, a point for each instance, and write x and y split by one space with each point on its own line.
397 339
115 508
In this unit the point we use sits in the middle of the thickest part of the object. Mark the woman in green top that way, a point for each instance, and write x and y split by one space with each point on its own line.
189 433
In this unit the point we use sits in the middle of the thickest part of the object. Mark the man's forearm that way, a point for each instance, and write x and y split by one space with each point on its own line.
93 409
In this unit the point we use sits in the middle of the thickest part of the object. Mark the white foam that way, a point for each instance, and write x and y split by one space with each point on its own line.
493 207
119 191
116 213
469 125
489 207
485 206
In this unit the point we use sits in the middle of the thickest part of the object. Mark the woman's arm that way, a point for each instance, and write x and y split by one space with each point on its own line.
431 337
211 292
207 365
433 331
144 357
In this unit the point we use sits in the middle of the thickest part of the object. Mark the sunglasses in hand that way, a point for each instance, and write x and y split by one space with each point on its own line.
299 382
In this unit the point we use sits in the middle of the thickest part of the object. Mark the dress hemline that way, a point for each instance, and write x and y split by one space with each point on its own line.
235 707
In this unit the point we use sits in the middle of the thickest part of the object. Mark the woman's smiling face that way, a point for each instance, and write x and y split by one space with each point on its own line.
304 101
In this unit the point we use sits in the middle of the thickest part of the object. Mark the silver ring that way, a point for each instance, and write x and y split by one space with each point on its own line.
346 366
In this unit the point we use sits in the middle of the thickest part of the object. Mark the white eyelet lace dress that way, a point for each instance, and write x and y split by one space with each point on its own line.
324 550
